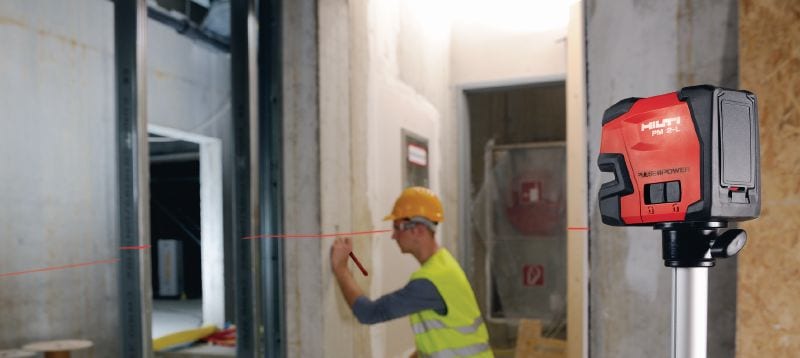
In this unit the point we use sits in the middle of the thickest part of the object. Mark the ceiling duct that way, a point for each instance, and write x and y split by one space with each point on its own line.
205 20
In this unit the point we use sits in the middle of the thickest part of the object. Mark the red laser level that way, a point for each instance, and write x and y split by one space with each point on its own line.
685 163
686 156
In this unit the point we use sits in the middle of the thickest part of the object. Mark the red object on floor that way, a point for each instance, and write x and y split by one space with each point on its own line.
225 337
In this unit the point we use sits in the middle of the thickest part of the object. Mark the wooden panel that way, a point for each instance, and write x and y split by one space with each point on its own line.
577 189
531 344
768 316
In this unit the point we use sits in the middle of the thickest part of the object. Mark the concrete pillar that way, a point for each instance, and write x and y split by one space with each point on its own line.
639 49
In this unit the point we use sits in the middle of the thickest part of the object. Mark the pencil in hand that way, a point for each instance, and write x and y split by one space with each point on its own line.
363 270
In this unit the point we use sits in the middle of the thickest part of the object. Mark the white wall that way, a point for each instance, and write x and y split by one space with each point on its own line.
385 66
396 71
485 55
188 83
408 80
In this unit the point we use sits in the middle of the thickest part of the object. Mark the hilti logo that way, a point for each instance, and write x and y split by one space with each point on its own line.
664 123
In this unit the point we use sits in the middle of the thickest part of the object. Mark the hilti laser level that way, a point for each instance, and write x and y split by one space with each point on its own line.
685 163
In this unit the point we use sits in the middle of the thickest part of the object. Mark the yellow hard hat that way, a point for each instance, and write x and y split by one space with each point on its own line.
417 201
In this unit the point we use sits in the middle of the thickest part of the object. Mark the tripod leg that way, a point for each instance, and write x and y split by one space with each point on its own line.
689 312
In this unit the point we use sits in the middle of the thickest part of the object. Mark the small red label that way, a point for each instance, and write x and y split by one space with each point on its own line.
533 275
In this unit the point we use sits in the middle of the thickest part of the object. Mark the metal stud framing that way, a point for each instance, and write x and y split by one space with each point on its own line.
246 210
130 23
271 188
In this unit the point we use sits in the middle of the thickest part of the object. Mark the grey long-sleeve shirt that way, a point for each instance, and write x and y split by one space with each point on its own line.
417 295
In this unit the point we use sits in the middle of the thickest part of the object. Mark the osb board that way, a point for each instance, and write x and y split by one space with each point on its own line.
768 309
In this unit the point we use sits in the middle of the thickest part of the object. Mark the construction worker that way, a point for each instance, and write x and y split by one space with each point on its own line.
438 298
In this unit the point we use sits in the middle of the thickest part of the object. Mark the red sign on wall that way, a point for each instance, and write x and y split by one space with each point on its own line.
533 275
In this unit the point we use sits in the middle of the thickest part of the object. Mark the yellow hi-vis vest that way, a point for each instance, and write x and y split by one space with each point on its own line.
461 331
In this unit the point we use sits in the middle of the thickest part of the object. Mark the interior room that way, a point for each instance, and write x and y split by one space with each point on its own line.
399 178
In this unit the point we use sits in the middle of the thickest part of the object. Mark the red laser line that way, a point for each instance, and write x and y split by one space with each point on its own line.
314 236
358 263
135 247
54 268
143 247
578 228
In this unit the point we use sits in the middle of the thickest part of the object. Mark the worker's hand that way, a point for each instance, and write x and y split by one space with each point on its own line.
340 251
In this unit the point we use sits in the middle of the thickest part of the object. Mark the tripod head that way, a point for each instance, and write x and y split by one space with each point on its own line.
698 244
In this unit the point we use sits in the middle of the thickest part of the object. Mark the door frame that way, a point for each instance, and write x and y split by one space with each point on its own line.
211 221
577 182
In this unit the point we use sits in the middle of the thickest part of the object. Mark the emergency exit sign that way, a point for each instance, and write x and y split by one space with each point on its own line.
533 275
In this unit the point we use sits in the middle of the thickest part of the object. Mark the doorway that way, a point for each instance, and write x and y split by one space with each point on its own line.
513 168
186 230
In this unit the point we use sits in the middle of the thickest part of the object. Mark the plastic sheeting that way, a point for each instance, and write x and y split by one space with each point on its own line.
520 215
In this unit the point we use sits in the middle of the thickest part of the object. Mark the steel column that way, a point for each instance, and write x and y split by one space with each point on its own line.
130 24
246 210
270 86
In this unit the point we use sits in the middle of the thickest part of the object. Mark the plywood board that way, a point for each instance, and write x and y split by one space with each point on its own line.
768 316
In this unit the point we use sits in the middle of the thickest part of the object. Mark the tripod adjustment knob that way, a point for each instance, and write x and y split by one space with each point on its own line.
729 243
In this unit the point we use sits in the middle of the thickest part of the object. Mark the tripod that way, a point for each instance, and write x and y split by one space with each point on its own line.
690 248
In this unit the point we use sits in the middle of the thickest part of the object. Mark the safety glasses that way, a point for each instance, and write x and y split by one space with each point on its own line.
403 225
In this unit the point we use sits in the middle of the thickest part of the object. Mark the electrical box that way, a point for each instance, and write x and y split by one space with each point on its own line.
170 268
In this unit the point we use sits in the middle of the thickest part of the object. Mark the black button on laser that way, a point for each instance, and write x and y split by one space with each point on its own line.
673 191
654 193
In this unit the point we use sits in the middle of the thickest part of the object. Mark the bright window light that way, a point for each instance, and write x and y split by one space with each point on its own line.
513 15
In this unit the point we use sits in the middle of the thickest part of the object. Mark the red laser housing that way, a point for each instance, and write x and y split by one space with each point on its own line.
686 156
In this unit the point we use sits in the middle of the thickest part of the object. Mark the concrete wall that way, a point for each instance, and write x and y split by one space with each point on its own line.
768 316
59 189
483 55
398 80
304 268
384 67
58 173
408 90
342 117
644 48
190 92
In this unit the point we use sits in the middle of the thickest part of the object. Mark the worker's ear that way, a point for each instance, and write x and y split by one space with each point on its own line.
419 229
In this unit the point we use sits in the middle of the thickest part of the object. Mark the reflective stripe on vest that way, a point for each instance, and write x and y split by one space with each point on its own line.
458 352
425 326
